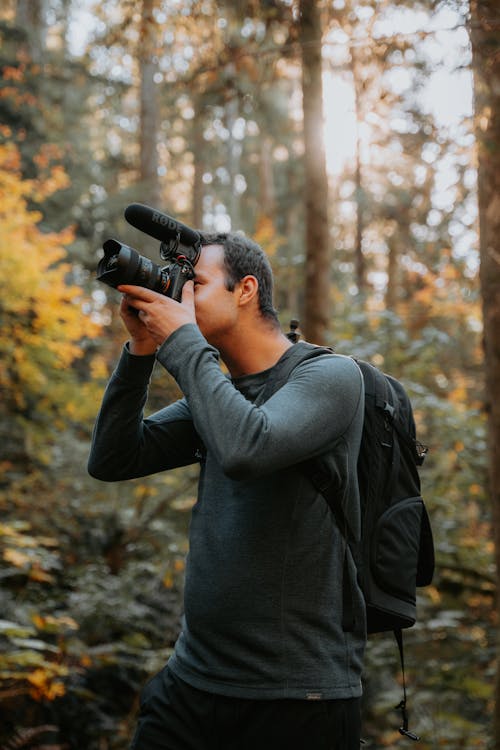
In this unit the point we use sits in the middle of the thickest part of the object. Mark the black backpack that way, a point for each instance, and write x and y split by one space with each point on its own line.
396 552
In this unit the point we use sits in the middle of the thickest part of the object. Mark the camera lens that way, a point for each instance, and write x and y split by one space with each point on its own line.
122 264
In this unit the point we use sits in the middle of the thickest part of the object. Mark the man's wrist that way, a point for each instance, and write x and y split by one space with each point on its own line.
141 348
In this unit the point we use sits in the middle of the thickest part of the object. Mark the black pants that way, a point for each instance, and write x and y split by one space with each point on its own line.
176 716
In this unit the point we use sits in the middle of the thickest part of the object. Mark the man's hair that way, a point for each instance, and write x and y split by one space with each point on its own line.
243 257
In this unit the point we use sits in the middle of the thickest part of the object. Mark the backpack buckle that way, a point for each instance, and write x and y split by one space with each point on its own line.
389 409
420 452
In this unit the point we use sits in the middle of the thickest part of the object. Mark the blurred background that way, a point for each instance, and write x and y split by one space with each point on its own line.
348 138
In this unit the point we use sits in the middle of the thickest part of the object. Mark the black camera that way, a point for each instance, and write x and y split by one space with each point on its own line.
180 248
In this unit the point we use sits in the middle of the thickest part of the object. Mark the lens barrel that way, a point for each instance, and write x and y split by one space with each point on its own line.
122 264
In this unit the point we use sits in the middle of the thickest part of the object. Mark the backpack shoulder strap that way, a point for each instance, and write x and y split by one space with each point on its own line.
377 386
312 468
293 356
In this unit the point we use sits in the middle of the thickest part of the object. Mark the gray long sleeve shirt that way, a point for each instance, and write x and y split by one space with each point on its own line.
265 590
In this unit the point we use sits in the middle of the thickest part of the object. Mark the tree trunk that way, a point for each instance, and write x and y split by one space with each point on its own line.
199 146
149 108
392 269
359 258
485 27
292 289
30 16
267 191
233 152
317 273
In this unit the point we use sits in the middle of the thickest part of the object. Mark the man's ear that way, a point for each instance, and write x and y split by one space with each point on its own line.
248 290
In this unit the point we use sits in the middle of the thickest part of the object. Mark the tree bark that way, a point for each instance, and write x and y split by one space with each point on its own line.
392 268
233 154
485 34
149 107
199 146
316 317
30 16
267 191
359 257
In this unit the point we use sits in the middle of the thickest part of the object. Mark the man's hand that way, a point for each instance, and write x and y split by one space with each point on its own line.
151 317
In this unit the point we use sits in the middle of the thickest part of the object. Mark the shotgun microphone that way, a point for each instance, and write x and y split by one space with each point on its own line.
160 226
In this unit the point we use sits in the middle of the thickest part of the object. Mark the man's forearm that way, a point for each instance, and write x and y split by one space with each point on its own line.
117 428
126 446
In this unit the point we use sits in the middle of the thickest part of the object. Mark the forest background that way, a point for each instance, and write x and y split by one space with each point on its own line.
355 141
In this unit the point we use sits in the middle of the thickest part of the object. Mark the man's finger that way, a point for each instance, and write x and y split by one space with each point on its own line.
188 293
133 303
139 292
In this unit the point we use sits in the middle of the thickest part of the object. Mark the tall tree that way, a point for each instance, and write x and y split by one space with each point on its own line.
359 85
485 36
30 17
198 149
318 257
149 105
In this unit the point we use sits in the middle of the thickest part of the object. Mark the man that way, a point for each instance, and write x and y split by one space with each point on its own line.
271 648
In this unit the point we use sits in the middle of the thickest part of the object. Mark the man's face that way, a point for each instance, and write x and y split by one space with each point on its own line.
216 307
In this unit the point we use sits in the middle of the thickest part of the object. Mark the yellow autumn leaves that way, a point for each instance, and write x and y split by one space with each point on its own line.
41 311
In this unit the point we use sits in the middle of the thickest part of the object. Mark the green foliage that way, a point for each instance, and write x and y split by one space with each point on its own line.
91 600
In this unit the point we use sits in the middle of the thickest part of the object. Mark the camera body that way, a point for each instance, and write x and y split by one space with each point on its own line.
180 248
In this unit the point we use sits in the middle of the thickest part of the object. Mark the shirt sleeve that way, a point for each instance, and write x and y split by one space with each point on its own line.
127 446
320 403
